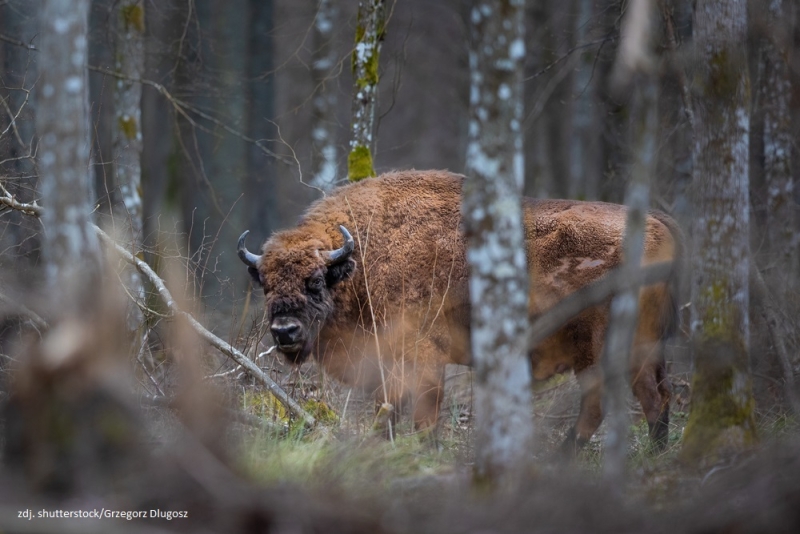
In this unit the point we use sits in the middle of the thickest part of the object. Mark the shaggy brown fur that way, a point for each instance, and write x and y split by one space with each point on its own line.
408 279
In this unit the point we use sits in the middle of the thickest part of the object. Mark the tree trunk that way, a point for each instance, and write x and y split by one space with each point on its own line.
495 240
370 30
721 418
634 68
71 250
127 136
586 170
324 153
260 206
774 95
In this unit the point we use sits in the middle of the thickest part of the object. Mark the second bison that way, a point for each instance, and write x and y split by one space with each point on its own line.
373 283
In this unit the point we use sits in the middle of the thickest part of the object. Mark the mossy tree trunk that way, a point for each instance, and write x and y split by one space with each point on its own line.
366 53
496 248
324 153
70 246
721 419
127 136
634 70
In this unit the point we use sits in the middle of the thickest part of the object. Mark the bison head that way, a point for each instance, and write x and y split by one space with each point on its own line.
297 273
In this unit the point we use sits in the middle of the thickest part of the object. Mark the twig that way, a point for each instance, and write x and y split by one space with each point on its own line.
17 42
32 208
182 107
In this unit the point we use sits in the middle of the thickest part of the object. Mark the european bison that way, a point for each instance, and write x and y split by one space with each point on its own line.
388 308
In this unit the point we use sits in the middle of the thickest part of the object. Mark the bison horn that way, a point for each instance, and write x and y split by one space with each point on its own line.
247 257
333 257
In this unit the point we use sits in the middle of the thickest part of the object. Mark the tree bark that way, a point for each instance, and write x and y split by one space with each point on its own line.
585 167
370 30
495 241
634 68
127 136
721 419
71 250
324 153
774 95
260 206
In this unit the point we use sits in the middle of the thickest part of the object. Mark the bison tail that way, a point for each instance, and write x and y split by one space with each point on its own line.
671 314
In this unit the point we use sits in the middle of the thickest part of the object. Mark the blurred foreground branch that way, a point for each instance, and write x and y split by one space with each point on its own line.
592 295
34 209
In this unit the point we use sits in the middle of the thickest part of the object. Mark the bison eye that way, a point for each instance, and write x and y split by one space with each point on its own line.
316 284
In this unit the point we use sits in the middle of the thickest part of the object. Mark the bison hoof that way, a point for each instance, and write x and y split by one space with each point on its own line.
572 444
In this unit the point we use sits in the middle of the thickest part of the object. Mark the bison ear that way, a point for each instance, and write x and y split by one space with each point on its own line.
255 276
340 271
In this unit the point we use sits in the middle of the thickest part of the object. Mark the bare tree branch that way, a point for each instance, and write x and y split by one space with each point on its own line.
17 42
183 108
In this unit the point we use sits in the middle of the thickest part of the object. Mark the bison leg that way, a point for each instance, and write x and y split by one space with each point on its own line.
426 405
651 386
591 413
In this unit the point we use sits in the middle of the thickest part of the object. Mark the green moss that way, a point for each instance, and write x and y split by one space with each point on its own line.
128 126
370 71
370 76
133 17
722 416
359 164
320 411
719 319
724 75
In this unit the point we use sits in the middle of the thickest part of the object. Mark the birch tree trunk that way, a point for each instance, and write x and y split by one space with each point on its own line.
495 240
774 94
71 250
127 135
324 154
370 30
634 69
721 417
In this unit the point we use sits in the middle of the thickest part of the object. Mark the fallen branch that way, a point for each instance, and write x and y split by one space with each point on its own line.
592 295
221 345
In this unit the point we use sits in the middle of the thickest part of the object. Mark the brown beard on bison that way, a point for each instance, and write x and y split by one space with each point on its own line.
388 309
